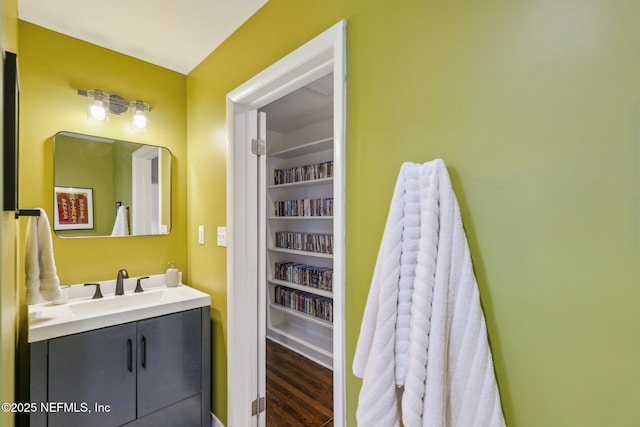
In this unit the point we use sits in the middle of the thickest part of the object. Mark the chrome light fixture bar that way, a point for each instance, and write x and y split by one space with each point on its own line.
100 103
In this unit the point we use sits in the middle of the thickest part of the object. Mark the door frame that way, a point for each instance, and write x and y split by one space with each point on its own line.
142 189
324 54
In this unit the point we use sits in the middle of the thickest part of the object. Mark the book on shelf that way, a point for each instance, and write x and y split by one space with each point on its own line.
322 243
312 305
303 173
302 274
304 207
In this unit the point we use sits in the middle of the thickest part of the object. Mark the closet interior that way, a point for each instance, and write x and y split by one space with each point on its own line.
300 224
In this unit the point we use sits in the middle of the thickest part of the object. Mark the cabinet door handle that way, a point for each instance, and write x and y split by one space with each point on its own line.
144 352
130 350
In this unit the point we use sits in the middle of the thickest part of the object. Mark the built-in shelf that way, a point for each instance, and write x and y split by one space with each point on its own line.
301 315
311 182
301 217
299 334
303 288
311 147
307 253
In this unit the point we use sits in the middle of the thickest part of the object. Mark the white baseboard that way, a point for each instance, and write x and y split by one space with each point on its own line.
215 422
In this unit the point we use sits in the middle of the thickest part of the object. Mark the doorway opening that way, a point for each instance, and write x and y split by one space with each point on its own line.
260 241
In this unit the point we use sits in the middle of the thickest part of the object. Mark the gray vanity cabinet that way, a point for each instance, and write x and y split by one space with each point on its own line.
153 372
93 367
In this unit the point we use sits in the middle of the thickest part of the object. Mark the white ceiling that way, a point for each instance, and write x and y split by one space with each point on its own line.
176 35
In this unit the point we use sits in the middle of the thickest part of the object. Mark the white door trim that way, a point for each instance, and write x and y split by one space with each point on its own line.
318 57
241 281
141 200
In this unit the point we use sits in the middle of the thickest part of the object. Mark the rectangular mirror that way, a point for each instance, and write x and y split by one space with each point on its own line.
107 187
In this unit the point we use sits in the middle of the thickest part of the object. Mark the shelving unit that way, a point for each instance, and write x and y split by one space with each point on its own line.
302 332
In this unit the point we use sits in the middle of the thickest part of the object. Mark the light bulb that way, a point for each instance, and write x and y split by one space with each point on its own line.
139 115
98 104
139 120
98 110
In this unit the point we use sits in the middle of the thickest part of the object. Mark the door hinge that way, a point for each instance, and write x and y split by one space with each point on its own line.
257 406
258 147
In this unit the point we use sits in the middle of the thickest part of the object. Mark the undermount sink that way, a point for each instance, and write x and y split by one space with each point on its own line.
83 313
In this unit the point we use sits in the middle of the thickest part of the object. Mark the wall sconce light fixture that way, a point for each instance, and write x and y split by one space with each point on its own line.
100 103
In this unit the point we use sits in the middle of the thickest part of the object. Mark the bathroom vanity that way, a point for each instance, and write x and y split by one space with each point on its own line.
140 359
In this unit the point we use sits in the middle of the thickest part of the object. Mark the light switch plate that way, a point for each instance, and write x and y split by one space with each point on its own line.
201 234
222 236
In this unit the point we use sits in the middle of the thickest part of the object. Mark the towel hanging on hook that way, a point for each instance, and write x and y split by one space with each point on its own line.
423 351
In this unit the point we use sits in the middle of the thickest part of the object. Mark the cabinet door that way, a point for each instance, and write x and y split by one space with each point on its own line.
169 360
89 369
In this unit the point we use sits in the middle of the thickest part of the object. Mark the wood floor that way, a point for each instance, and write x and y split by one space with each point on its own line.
299 391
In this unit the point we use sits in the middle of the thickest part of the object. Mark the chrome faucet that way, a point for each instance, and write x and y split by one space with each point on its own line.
122 274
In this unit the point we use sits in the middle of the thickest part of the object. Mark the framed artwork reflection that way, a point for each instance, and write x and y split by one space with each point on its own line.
74 208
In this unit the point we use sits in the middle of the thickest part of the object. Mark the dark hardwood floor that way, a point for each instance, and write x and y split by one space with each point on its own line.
299 391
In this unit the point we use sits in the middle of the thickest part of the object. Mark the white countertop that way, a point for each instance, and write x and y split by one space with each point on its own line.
82 313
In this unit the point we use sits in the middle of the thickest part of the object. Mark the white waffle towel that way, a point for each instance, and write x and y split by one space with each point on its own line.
423 352
40 264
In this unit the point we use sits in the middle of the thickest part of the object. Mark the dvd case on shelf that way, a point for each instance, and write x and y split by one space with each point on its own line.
302 274
322 243
304 207
310 304
303 173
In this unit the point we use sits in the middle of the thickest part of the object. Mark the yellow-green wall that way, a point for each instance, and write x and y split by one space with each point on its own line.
534 106
52 68
122 175
8 233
